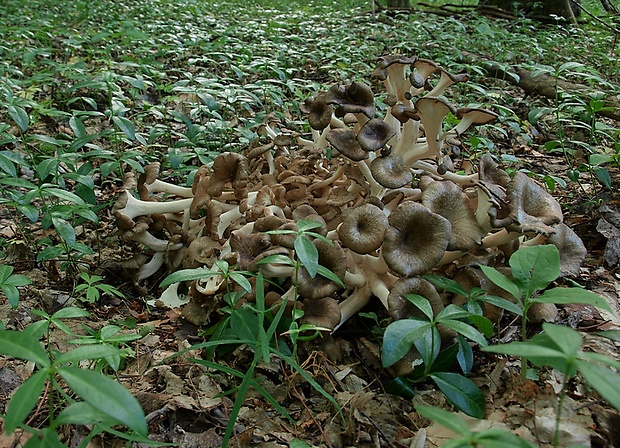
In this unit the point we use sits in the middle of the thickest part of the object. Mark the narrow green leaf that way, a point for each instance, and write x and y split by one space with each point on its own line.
604 380
466 330
465 356
12 294
24 400
20 116
71 312
242 281
107 396
22 345
600 358
461 392
422 304
65 195
126 126
502 303
564 296
429 345
308 254
322 270
401 387
45 438
502 281
18 280
186 275
447 284
524 349
87 352
82 413
244 323
452 312
277 259
303 225
448 419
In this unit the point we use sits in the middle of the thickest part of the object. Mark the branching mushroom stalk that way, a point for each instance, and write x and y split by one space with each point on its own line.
388 184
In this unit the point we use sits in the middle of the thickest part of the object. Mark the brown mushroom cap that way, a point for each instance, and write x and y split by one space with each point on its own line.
229 167
448 200
375 134
248 246
319 112
332 257
323 312
391 171
356 97
345 141
532 209
416 239
401 308
571 248
363 228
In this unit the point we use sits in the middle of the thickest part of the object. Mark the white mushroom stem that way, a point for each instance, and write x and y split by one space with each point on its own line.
150 268
274 271
136 207
376 189
159 186
461 179
408 137
352 304
154 243
492 240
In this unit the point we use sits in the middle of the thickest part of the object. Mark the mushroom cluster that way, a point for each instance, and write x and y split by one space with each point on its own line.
391 195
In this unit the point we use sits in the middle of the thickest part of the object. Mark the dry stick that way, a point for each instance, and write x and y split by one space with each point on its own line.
570 13
602 22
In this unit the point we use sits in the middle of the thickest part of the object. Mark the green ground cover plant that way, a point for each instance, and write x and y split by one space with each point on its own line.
92 90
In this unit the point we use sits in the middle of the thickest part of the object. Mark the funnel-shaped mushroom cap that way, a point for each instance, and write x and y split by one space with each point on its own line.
353 98
332 257
472 117
363 228
229 167
375 134
323 312
248 246
345 141
432 111
404 113
571 248
319 112
401 308
391 171
448 200
490 172
416 239
532 209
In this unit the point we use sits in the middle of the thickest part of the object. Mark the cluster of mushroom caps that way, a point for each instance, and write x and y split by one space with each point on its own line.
391 198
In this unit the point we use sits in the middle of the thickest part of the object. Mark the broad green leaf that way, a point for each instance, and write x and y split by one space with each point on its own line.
502 281
566 339
49 253
563 296
47 167
126 126
82 413
497 438
186 275
7 166
29 211
5 272
604 380
422 304
452 312
45 438
107 396
65 230
303 225
484 325
461 392
399 338
534 267
466 330
65 195
22 345
71 312
244 323
308 254
24 400
87 352
614 335
77 126
277 259
599 358
20 116
603 175
447 284
448 419
11 293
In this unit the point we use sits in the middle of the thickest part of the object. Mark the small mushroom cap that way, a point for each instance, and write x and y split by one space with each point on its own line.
448 200
229 167
345 141
404 113
375 134
532 209
356 97
387 60
150 175
363 228
248 246
323 312
319 112
477 116
416 239
401 308
391 171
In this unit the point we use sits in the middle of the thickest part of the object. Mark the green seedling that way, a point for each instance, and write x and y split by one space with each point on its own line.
91 290
9 283
559 347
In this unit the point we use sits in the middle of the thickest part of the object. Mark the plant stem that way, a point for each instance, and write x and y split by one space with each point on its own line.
558 417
